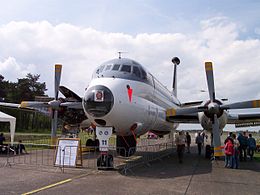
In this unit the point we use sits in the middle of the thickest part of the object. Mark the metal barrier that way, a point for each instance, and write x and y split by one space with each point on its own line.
38 154
45 155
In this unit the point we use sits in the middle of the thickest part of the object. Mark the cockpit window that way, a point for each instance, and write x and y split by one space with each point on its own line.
100 69
144 75
116 67
126 68
136 71
108 67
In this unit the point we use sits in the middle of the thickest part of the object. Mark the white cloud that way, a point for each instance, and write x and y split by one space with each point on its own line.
36 47
12 70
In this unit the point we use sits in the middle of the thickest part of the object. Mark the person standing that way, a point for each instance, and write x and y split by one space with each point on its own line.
251 146
242 138
199 141
230 136
203 136
180 143
235 157
188 141
229 151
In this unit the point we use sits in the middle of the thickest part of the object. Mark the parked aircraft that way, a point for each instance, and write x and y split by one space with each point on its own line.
125 96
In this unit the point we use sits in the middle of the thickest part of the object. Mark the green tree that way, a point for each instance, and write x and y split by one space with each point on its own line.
25 89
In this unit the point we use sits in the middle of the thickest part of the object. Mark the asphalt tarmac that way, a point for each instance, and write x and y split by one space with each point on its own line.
197 175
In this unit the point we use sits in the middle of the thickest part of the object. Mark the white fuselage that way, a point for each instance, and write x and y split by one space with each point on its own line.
147 107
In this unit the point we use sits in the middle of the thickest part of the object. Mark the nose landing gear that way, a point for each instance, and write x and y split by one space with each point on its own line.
105 160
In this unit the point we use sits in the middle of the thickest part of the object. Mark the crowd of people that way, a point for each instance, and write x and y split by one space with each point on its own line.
182 139
238 148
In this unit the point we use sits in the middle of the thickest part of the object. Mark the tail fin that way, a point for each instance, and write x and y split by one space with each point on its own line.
176 62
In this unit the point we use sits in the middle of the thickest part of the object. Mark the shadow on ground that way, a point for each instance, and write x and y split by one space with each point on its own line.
193 164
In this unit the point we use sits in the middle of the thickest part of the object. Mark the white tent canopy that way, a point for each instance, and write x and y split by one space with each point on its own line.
12 120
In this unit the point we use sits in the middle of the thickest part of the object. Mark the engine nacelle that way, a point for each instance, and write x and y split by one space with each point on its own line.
206 123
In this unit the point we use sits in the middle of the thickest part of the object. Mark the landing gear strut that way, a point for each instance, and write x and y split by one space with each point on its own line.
105 160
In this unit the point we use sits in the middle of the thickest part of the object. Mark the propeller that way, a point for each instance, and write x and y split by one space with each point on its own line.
213 108
53 105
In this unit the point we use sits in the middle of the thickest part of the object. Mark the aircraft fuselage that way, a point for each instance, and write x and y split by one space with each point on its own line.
128 101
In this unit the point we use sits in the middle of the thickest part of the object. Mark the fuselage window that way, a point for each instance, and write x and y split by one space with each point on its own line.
126 68
136 71
116 67
108 67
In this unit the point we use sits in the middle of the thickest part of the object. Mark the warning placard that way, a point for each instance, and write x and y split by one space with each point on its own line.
67 152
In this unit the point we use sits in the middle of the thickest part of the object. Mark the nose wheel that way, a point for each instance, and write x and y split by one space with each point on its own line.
105 161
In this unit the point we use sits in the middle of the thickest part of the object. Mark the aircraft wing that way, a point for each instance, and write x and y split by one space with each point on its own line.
184 118
243 118
232 118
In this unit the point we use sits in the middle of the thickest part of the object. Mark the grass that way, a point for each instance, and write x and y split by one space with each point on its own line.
257 156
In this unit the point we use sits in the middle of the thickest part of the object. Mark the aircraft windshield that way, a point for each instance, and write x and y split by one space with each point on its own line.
122 68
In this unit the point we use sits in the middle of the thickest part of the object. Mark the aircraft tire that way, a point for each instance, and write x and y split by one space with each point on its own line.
105 162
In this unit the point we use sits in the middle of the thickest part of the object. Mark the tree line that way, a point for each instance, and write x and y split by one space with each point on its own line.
25 89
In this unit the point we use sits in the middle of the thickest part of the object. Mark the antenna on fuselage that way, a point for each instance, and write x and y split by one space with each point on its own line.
176 61
120 54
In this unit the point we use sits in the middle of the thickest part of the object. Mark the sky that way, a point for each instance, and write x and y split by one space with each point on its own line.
81 34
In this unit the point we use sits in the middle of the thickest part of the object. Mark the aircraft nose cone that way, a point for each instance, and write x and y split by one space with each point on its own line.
98 101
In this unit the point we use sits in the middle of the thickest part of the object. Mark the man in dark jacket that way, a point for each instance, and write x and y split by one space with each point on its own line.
251 146
242 138
188 141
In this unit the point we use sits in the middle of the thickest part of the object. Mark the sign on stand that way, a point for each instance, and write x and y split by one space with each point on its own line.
67 152
103 135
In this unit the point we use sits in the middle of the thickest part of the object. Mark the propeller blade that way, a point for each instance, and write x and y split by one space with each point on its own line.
58 68
210 80
216 137
69 94
242 105
33 104
54 123
75 105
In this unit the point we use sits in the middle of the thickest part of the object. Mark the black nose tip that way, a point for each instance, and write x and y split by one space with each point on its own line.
98 101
